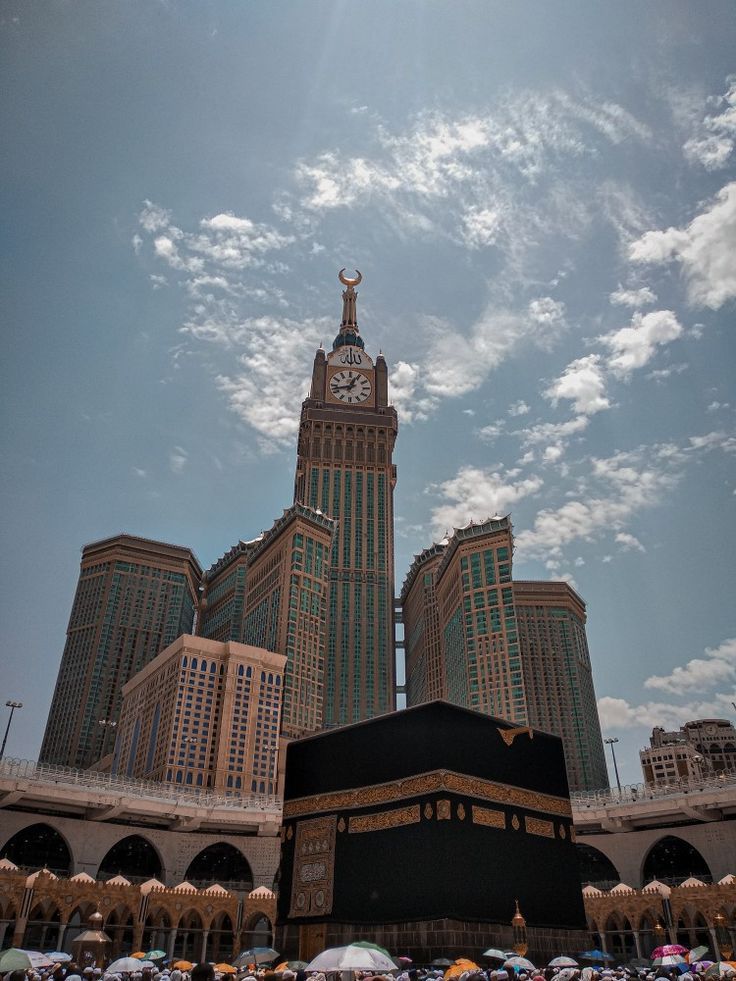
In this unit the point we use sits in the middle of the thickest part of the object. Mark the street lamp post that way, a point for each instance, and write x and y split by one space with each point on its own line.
12 706
610 742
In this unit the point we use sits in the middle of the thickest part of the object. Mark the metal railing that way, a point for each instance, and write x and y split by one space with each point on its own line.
51 774
634 793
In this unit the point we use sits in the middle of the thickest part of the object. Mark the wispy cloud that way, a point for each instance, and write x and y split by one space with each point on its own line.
641 297
178 459
713 143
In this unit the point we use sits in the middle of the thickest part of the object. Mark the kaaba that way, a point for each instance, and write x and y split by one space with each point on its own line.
420 829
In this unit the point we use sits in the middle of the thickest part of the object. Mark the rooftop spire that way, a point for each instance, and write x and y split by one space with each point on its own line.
349 330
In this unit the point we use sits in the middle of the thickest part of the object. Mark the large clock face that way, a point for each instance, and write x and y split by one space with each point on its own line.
350 386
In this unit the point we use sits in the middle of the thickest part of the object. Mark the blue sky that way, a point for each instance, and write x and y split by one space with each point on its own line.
542 201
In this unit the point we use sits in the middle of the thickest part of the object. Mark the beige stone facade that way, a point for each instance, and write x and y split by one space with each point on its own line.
204 714
44 912
272 592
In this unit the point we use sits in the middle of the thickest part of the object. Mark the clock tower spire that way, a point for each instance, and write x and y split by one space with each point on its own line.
344 468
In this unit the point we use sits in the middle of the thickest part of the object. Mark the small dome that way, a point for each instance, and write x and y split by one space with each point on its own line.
691 882
622 887
82 877
727 880
118 880
591 891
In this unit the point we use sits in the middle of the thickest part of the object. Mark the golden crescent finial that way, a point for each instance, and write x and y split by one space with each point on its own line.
349 282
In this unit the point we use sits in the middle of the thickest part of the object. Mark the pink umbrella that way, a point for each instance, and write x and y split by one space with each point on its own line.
667 950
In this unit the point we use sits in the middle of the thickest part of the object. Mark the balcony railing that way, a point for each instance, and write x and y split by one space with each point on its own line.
50 774
638 792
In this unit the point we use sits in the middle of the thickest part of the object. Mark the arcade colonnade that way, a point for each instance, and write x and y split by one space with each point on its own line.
43 911
629 923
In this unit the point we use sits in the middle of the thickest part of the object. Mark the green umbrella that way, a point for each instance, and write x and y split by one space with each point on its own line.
369 946
16 959
155 955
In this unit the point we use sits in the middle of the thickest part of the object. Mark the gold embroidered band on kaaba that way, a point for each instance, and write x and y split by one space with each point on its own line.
435 781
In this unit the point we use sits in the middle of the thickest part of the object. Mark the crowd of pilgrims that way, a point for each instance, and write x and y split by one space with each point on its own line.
206 972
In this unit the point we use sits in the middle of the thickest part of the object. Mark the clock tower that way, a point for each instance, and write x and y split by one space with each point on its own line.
344 468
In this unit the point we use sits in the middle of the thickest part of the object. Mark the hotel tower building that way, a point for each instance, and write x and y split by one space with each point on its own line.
344 468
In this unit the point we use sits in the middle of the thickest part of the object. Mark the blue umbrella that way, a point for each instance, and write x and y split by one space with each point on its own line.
596 955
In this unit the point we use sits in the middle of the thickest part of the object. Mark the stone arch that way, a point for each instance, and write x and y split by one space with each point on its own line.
257 930
221 942
157 929
672 859
77 922
42 927
133 857
119 926
189 936
39 846
223 863
595 868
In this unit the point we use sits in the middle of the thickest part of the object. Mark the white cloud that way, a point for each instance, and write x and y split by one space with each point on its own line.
153 217
482 227
275 375
717 406
475 495
545 432
633 298
705 249
519 408
715 440
699 674
178 458
710 151
404 392
140 473
627 484
582 382
492 431
715 142
629 542
659 374
617 713
634 346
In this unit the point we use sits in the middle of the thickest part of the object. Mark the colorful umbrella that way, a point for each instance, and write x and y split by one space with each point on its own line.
290 966
669 960
721 969
562 962
139 954
596 955
667 950
58 956
183 965
16 959
155 955
696 954
226 969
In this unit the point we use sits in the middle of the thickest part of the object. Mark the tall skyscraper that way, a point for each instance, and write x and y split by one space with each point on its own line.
344 467
516 650
271 593
204 714
551 617
134 597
